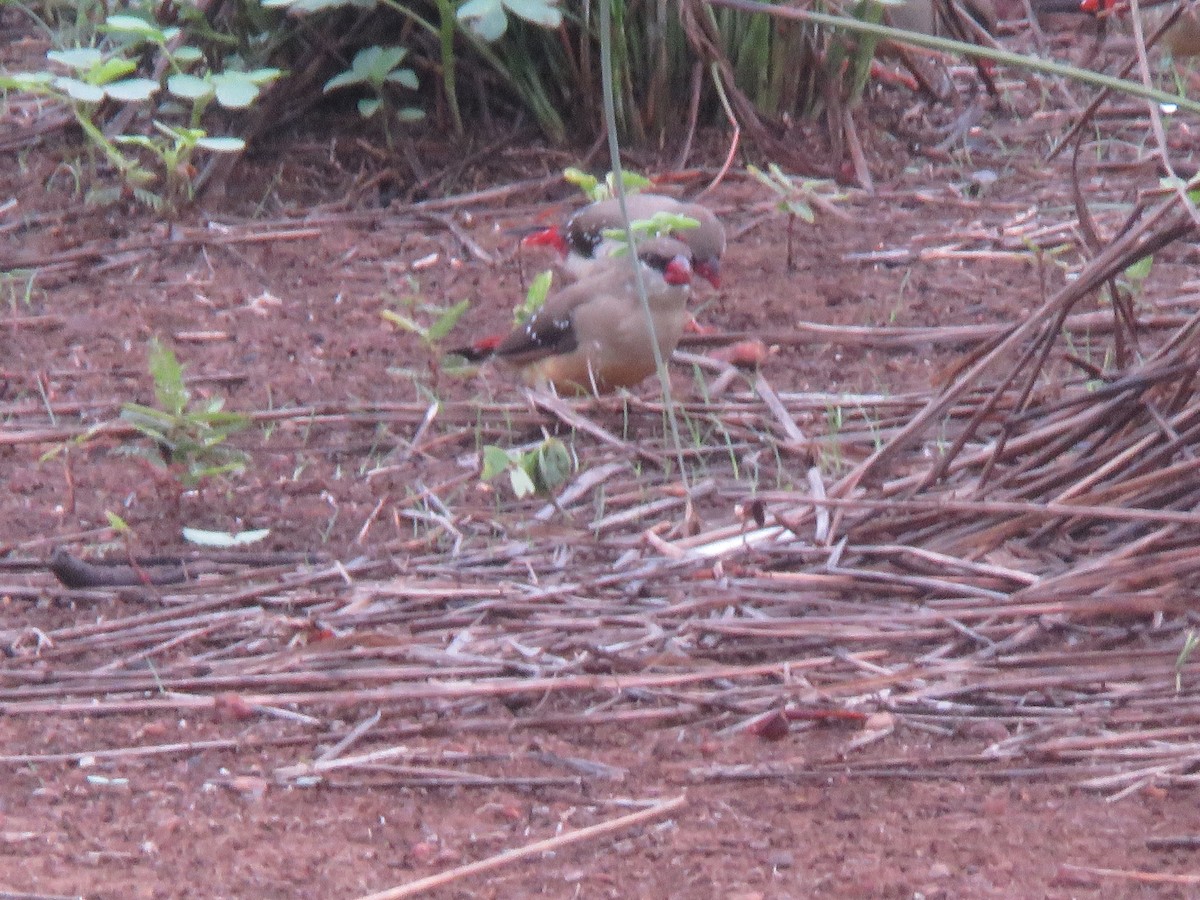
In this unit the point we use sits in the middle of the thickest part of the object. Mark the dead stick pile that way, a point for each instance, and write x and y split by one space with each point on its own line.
1016 548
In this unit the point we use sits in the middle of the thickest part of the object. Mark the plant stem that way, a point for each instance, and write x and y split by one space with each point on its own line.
449 25
614 154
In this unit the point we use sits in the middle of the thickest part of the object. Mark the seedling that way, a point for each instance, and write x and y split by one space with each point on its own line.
173 149
378 69
443 319
541 470
661 224
595 189
797 198
107 72
189 438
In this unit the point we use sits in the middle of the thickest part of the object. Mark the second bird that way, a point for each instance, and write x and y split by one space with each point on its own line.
581 242
593 336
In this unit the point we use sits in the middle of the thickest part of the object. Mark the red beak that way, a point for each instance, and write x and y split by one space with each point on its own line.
678 271
547 237
710 270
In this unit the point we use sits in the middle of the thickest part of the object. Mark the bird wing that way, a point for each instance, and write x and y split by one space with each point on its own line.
551 330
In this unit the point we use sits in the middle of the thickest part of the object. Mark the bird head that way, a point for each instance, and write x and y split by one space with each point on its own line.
669 257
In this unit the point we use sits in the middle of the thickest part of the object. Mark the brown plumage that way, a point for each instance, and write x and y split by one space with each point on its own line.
592 336
584 248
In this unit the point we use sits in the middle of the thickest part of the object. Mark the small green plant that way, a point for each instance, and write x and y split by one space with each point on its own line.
17 286
378 69
173 148
595 189
160 175
831 459
540 470
661 224
189 438
429 322
797 198
535 297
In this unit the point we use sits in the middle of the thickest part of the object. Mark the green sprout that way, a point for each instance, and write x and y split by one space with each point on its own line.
378 69
796 198
661 224
190 438
444 318
594 189
541 470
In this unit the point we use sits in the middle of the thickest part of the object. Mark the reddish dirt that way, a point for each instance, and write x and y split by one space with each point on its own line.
295 320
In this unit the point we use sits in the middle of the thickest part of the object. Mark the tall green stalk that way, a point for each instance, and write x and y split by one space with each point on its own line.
614 160
448 27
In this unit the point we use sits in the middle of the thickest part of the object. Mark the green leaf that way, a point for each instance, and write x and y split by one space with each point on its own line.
167 373
181 136
484 17
262 76
224 539
446 321
133 25
410 114
190 87
79 90
372 65
405 77
1140 269
402 321
110 70
522 484
24 81
377 62
234 90
186 55
137 140
495 461
132 90
585 181
220 144
658 225
80 59
368 106
153 423
343 79
116 523
535 296
801 210
632 181
540 12
554 465
309 6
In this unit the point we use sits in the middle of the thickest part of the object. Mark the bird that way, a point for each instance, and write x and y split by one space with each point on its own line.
583 247
592 336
